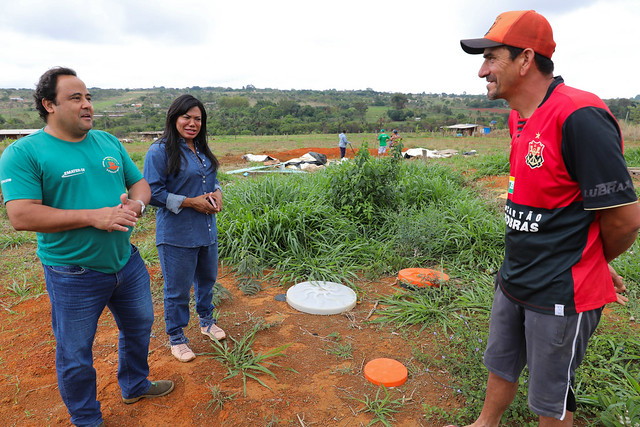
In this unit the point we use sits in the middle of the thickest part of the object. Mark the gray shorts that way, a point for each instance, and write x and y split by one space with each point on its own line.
552 347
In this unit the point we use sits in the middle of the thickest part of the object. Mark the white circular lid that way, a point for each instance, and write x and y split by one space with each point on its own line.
321 297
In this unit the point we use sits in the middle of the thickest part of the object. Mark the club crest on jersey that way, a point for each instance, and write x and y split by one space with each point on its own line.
534 157
111 164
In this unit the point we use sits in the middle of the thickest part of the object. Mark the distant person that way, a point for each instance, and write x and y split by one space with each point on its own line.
395 138
568 214
182 173
342 143
80 192
382 138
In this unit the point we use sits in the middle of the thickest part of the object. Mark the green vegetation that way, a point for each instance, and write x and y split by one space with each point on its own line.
16 239
218 398
370 217
251 111
242 359
381 407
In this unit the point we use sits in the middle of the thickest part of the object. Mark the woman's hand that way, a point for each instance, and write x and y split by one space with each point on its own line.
216 200
201 204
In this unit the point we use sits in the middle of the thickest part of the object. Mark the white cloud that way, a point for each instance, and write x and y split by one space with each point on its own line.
400 46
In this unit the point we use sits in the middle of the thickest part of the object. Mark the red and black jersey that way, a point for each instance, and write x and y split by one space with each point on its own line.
566 163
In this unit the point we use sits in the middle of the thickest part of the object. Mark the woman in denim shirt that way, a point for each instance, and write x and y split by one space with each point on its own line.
181 171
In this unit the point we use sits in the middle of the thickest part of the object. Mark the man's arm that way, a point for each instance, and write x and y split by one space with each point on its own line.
32 215
619 229
138 191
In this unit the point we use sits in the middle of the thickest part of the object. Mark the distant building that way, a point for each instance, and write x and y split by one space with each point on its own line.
463 129
150 135
15 133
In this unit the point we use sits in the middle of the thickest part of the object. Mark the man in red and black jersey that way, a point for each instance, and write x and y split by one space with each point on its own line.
571 209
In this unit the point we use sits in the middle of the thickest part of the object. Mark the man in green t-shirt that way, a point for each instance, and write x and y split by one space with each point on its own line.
79 190
383 138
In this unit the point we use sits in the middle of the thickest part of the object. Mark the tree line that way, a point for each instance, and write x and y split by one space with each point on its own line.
252 111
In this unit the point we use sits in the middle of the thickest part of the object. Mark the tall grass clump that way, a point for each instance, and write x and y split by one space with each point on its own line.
241 358
288 225
632 156
439 306
365 188
490 164
368 216
16 239
442 220
607 382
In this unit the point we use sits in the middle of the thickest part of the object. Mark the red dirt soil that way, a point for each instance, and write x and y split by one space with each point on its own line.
312 385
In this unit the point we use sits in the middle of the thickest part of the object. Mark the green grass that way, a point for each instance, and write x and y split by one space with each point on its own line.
23 289
340 350
240 358
13 240
382 407
299 227
374 113
218 398
632 156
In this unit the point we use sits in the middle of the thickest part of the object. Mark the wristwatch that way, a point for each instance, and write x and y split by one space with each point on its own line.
142 209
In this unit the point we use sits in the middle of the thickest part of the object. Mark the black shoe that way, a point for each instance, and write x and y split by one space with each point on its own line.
157 389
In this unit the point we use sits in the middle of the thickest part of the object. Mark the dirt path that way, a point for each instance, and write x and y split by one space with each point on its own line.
312 384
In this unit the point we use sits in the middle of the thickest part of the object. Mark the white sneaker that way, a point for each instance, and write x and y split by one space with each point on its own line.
213 332
182 352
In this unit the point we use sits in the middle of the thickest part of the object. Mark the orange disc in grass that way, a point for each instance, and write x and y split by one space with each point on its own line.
388 372
421 277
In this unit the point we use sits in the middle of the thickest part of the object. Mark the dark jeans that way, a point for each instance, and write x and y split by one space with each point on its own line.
181 268
78 297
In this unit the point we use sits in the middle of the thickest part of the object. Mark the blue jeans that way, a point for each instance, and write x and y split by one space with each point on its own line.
182 267
78 297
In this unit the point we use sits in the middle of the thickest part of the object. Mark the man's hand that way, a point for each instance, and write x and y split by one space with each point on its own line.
117 218
132 205
619 286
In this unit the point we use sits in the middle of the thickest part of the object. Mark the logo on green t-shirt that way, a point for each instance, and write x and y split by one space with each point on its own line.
111 164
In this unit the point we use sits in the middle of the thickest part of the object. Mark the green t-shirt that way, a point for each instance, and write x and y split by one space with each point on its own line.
89 174
383 137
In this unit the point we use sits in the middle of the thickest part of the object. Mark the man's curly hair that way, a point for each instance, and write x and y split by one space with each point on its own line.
46 88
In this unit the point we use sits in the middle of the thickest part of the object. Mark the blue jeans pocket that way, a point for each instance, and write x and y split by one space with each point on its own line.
72 270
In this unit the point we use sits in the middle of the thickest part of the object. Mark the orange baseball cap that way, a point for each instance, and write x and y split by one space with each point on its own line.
518 28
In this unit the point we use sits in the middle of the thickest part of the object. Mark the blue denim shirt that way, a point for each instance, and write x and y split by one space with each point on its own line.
183 227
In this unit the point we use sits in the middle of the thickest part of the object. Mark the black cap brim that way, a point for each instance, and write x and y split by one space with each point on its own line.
477 46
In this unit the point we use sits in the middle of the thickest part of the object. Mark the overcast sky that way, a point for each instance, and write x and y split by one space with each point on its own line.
408 46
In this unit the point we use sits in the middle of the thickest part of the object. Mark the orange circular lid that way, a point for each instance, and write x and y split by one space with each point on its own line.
422 277
388 372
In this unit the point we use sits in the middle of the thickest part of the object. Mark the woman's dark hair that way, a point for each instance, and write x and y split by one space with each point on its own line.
544 64
46 88
172 138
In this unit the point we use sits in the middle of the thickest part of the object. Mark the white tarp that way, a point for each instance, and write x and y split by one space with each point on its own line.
257 157
432 154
